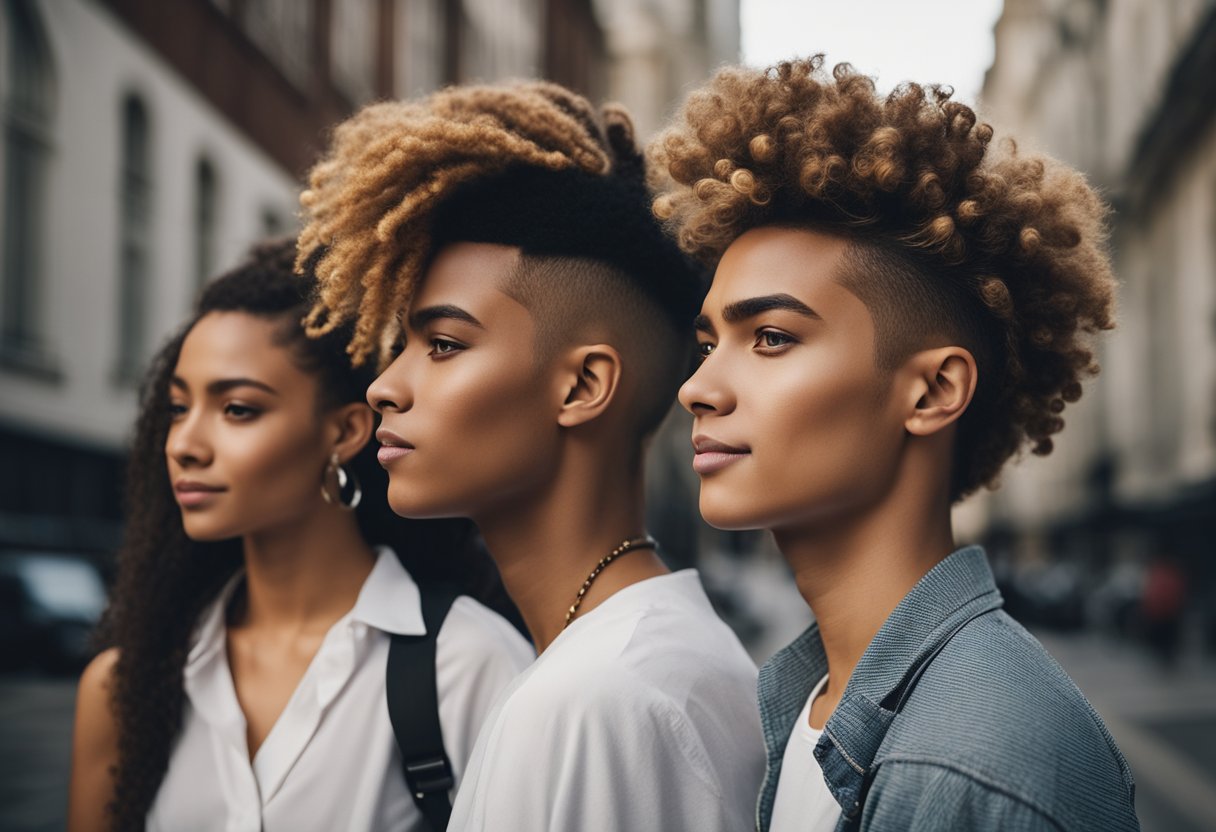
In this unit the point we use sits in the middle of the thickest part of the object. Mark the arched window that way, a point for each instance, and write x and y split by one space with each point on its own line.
135 243
28 108
206 206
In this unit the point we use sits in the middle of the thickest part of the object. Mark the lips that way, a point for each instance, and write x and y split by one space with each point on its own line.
192 494
392 447
712 455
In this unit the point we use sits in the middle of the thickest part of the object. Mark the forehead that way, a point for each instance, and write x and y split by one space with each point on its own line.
467 269
236 344
775 260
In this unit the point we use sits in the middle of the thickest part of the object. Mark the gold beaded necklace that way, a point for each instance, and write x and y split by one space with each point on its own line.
646 542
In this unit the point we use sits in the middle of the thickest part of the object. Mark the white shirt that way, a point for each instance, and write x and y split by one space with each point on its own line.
331 761
641 715
803 802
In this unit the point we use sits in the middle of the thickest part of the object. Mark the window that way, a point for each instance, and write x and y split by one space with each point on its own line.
206 199
273 223
28 106
419 61
135 243
284 31
354 48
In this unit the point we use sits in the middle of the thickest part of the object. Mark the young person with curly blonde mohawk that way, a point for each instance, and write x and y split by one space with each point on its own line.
502 238
897 309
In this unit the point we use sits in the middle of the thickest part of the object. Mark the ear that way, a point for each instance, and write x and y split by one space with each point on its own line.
350 427
943 384
591 384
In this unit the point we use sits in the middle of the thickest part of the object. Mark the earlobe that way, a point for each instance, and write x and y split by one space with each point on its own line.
946 380
592 386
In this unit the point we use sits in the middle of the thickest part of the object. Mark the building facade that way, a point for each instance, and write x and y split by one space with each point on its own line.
1122 89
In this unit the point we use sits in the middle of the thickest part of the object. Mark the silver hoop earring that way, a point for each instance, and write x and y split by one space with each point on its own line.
343 479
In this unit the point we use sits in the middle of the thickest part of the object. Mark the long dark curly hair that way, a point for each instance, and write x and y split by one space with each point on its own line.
165 580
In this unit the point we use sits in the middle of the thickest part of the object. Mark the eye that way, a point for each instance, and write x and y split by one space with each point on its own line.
441 347
240 412
704 348
771 341
176 410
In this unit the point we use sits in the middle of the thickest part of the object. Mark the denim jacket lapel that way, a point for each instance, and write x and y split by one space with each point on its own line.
954 592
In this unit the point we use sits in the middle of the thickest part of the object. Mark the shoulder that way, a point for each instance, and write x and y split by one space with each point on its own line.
474 635
97 682
995 707
96 729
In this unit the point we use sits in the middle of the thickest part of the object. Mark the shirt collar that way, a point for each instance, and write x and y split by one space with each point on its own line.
952 593
390 600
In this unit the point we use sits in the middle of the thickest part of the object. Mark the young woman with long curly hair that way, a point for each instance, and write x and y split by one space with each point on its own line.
261 577
898 307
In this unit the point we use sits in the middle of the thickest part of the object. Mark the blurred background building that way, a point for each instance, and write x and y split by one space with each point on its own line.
1124 90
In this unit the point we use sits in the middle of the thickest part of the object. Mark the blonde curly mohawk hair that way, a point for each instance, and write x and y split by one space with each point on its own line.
371 201
1013 248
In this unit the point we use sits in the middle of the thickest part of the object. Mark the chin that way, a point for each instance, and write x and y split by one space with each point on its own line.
728 515
408 503
201 531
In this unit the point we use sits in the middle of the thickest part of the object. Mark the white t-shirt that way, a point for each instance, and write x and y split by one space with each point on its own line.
803 802
640 715
331 761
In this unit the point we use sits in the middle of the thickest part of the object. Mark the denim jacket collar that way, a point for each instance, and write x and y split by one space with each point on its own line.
955 591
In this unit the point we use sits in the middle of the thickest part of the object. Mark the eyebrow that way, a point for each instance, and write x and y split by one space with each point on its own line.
223 385
421 317
741 310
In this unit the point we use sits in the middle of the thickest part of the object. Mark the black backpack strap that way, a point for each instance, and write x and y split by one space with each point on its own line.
413 709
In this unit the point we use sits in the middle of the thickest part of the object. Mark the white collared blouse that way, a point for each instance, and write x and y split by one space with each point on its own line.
330 762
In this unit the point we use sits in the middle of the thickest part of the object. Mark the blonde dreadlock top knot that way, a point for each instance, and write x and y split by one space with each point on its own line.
372 202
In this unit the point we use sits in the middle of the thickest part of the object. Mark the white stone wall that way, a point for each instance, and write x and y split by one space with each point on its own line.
97 63
1088 101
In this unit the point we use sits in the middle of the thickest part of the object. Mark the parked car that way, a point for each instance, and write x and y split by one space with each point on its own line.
49 605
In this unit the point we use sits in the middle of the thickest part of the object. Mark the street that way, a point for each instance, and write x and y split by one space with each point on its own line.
1165 722
35 752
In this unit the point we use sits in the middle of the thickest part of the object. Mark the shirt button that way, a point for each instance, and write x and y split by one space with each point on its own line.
852 811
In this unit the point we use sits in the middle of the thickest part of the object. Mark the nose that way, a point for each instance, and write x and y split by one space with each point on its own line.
390 392
705 391
187 443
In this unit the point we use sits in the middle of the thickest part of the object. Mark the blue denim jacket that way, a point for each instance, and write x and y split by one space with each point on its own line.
955 718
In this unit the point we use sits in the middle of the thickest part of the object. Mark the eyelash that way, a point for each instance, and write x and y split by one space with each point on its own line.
233 410
450 347
246 412
761 344
773 349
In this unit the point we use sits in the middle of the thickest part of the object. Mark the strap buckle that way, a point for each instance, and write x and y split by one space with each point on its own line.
429 775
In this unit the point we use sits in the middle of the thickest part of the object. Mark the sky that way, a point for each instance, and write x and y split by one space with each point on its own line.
930 41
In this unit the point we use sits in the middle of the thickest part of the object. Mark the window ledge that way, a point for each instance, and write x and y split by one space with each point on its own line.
31 361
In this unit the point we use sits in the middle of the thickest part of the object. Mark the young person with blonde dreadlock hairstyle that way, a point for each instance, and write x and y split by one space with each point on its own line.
501 237
897 309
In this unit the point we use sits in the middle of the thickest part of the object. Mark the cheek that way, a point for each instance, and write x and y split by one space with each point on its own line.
481 437
273 474
820 443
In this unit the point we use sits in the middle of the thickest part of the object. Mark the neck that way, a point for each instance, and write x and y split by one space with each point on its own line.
305 574
546 546
853 571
